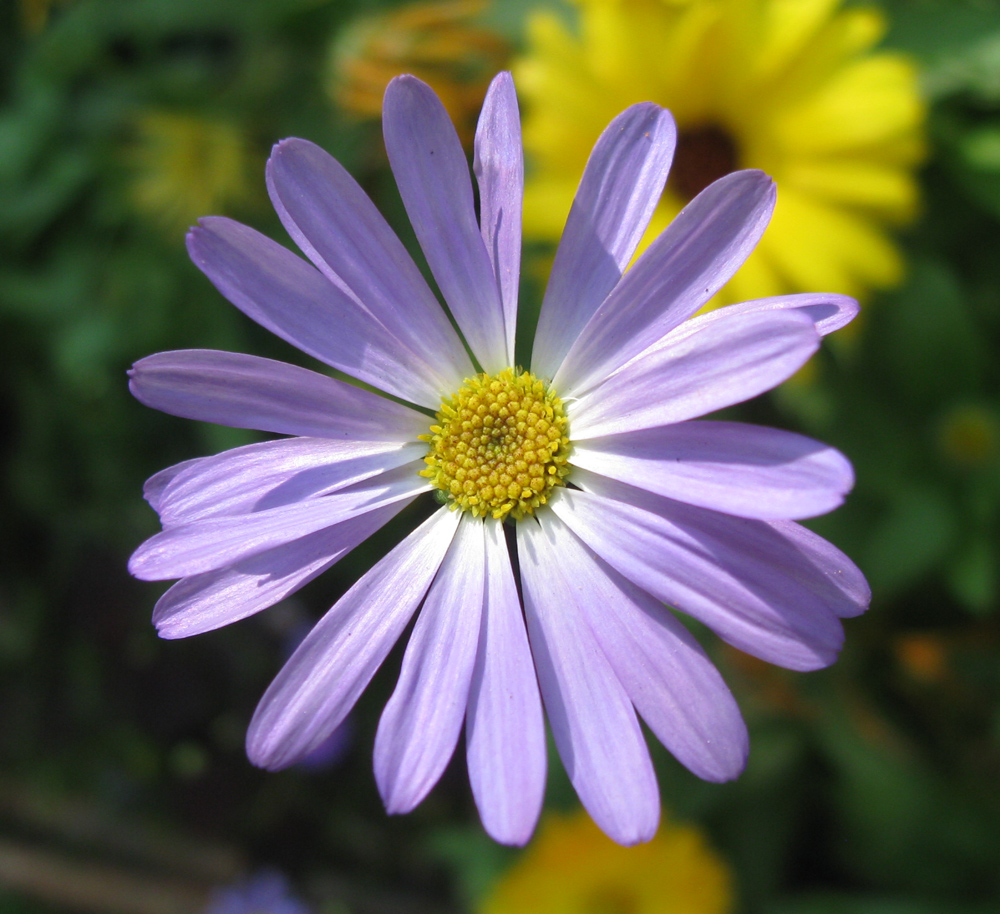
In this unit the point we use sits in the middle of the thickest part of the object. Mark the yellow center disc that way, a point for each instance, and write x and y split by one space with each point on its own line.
499 446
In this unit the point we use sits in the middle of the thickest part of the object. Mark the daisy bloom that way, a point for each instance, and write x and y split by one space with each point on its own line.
266 892
788 86
586 464
571 868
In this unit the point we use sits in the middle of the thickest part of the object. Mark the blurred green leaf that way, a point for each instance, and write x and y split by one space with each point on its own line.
910 539
931 337
981 148
901 823
852 904
974 577
956 41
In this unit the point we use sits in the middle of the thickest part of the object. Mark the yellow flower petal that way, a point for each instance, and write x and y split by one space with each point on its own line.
184 166
546 207
572 868
441 41
879 188
833 120
824 248
788 27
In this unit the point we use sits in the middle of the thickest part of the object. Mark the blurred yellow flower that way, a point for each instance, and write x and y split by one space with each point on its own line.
788 86
969 436
443 43
35 13
185 166
571 867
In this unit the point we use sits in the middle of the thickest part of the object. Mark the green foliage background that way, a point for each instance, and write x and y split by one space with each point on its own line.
872 786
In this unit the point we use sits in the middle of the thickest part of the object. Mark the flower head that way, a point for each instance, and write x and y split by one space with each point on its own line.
265 893
183 164
443 42
788 86
571 868
619 499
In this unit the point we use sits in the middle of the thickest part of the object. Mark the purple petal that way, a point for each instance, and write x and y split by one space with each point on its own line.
210 544
339 228
244 391
499 168
739 469
620 188
156 485
694 257
592 719
292 299
204 602
505 732
322 680
421 722
665 672
835 578
434 182
828 311
274 473
737 576
706 364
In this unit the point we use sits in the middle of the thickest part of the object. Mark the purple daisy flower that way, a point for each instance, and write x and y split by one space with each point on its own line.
266 893
621 501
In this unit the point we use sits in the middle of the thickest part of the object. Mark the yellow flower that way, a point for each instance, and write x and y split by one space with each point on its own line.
573 868
788 86
442 42
185 166
969 436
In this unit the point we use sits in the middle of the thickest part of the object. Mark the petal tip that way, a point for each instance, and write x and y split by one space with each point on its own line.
137 565
267 753
511 838
728 762
168 632
405 82
503 78
847 309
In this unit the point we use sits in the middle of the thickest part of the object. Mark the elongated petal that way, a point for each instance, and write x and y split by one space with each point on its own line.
421 722
837 580
204 602
592 719
665 672
433 178
618 192
275 473
339 228
499 168
292 299
209 544
694 257
828 311
737 576
708 363
156 485
505 733
740 469
244 391
322 680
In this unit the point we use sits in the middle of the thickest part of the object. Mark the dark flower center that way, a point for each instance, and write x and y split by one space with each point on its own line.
704 154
